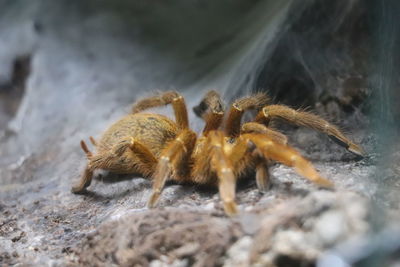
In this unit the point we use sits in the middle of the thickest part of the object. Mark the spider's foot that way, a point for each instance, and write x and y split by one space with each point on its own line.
263 187
324 183
357 150
78 189
81 187
262 178
230 208
153 199
353 148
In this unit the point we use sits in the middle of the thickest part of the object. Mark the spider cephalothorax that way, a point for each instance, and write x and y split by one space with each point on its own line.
154 146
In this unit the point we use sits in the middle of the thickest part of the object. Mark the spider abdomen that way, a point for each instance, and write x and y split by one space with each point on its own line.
152 130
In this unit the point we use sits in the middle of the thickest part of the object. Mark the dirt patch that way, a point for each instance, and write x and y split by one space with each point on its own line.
286 230
199 239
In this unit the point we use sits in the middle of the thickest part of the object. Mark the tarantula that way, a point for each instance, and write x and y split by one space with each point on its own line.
156 147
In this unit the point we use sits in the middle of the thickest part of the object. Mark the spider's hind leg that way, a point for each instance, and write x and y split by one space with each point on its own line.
93 141
85 149
85 181
140 160
87 175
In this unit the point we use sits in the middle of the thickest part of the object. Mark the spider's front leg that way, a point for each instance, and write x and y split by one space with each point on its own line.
310 120
287 156
223 166
173 160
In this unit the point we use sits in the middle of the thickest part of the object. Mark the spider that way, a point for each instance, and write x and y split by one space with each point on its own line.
156 147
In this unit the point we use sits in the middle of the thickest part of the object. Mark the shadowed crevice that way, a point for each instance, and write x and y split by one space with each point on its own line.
12 92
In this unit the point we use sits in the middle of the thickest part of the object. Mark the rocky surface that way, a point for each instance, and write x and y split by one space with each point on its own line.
294 222
67 74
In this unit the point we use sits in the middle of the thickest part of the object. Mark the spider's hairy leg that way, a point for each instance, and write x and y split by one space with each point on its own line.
92 140
307 119
262 175
85 181
287 156
238 108
254 127
85 149
222 165
213 121
170 97
143 153
106 160
238 152
211 110
87 175
130 149
173 157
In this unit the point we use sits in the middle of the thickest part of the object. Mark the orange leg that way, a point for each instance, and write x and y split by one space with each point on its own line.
238 153
238 108
111 161
143 153
120 158
85 149
222 165
87 175
172 159
262 175
170 97
85 181
211 110
92 140
287 156
254 127
213 121
307 119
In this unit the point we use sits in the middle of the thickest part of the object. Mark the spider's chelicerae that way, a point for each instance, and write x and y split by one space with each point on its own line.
157 147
